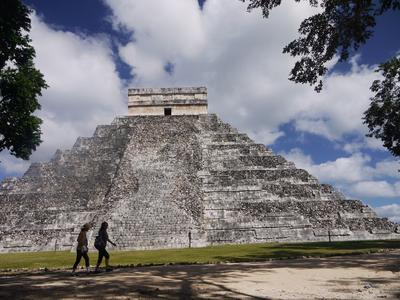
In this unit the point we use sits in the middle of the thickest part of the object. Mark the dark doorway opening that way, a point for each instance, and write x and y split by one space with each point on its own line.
167 111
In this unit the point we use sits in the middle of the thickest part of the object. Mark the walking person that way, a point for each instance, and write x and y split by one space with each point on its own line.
82 249
100 244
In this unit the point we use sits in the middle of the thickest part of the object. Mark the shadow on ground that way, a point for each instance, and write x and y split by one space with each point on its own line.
186 282
162 282
319 250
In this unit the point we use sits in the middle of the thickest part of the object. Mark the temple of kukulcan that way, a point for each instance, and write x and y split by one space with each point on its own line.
171 175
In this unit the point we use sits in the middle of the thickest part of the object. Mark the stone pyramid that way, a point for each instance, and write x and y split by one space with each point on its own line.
170 175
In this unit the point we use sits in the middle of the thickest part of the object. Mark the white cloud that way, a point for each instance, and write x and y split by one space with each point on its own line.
388 167
265 137
353 174
375 189
342 170
391 211
11 165
363 143
300 159
339 108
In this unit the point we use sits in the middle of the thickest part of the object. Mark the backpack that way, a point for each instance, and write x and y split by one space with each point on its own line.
99 243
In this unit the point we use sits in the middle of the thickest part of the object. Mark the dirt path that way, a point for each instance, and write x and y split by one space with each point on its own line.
373 276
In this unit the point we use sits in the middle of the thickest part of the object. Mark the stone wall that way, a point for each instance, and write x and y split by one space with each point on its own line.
153 101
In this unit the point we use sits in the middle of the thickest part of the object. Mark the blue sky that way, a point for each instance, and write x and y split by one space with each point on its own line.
91 52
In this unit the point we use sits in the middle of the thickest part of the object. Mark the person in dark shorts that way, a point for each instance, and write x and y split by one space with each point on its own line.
100 244
82 249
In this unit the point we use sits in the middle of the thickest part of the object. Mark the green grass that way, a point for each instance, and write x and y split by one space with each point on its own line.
215 254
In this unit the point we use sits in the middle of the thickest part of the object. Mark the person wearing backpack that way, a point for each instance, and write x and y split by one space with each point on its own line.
82 249
100 244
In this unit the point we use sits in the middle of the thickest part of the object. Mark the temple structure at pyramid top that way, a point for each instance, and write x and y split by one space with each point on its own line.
167 101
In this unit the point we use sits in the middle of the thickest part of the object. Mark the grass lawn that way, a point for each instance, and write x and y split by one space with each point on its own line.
215 254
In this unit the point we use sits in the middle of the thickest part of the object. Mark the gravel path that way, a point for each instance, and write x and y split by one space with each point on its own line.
372 276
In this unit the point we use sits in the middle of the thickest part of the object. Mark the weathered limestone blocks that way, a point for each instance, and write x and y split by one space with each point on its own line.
175 181
167 101
55 198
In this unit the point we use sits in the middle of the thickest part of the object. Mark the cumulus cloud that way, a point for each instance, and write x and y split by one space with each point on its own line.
375 189
353 174
387 167
11 165
344 169
361 143
391 211
84 89
339 108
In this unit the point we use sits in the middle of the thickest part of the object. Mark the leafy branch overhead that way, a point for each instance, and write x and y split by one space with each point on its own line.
20 82
383 115
340 28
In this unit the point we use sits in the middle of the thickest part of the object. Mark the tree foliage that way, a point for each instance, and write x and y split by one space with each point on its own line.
340 28
383 115
20 82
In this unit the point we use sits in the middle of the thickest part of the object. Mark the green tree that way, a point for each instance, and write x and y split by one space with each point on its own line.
340 28
20 82
383 115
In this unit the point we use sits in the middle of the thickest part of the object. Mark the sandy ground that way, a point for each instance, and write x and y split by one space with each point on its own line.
373 276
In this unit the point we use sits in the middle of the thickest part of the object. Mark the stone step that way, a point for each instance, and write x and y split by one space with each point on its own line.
247 162
222 224
226 138
255 177
257 235
280 189
225 197
105 130
223 183
212 123
46 201
216 217
229 149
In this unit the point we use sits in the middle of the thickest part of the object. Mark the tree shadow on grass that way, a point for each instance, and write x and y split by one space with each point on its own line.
342 255
347 245
382 261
